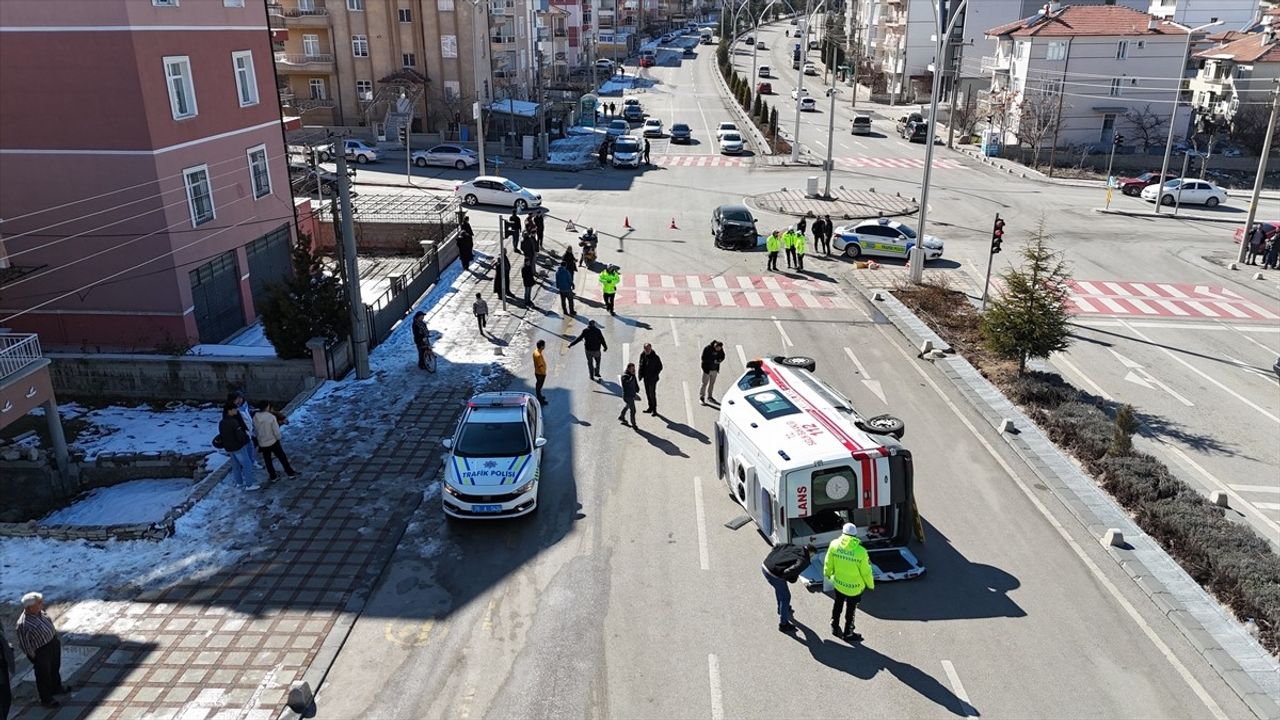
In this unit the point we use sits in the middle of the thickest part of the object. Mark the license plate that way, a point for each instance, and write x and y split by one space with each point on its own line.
486 508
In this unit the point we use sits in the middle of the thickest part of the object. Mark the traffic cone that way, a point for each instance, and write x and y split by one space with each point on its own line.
673 224
570 227
626 223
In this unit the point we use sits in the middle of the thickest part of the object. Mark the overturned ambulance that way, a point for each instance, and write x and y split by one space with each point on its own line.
802 462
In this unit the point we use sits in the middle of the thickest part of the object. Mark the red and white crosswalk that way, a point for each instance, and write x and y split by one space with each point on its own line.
743 291
699 160
1167 300
844 163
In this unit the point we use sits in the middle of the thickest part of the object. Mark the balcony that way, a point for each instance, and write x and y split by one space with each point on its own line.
503 39
18 351
996 63
317 16
502 8
275 15
299 62
315 104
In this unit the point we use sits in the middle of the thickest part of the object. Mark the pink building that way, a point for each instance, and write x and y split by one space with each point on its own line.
144 190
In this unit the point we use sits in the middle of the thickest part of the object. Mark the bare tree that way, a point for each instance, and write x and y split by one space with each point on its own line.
1147 127
1038 117
1249 128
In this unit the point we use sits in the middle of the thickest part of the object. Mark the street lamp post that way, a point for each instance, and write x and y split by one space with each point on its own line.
1262 171
1177 98
755 47
802 29
831 132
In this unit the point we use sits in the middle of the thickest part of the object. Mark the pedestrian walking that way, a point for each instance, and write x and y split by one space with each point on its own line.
773 244
6 671
480 309
712 356
630 389
513 230
612 109
539 370
421 339
564 285
802 247
848 569
603 154
827 230
466 242
539 228
789 244
39 642
1257 245
800 226
650 370
781 567
609 279
529 279
593 342
646 151
502 276
266 422
233 436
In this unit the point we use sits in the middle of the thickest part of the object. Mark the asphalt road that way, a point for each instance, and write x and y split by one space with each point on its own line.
626 596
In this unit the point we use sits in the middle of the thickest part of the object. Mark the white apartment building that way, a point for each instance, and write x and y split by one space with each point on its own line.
1243 70
1088 66
1234 14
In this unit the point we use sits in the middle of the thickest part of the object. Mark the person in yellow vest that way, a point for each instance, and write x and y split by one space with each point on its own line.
848 569
773 244
609 279
789 244
802 246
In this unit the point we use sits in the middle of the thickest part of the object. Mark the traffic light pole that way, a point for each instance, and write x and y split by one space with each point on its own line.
1115 140
997 232
408 158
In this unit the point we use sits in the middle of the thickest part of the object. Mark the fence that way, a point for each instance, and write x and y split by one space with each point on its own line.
17 350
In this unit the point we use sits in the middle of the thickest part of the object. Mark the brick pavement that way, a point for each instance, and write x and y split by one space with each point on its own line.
845 204
229 645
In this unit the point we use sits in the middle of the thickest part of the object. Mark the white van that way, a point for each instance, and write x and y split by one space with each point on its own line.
800 459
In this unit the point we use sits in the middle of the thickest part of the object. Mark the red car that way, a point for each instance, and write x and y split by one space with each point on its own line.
764 88
646 61
1135 185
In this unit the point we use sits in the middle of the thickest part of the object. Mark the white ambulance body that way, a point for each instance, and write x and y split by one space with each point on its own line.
802 462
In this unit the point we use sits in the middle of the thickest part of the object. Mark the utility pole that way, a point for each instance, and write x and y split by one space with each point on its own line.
1177 98
359 316
1262 168
478 111
831 131
802 29
955 94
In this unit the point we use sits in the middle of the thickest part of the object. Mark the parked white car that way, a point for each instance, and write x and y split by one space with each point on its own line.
1186 191
447 156
725 127
882 237
731 143
496 190
618 128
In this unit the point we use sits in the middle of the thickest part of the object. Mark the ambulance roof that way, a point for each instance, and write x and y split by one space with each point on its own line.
796 419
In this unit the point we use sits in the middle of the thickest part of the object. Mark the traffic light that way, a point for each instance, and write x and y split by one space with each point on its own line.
404 135
1118 140
997 235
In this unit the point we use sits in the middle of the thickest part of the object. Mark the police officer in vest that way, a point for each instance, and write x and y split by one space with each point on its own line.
609 279
773 244
848 569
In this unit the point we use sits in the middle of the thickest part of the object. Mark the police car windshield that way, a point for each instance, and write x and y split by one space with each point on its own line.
907 231
492 439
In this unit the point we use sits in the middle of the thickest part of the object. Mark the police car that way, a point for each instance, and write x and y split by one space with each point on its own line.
883 238
494 457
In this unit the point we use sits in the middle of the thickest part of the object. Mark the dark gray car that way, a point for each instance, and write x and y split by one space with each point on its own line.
680 133
733 227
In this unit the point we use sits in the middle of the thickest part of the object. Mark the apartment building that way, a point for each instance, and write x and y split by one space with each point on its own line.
1081 70
1243 70
1234 14
146 197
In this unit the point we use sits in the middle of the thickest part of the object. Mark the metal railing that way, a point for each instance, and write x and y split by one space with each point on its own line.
294 12
301 59
996 62
18 350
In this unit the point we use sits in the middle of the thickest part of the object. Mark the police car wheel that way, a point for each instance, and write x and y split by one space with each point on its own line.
800 361
852 251
886 425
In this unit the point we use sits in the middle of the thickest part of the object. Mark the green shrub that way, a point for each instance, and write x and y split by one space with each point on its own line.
1122 436
1040 390
1083 429
1138 478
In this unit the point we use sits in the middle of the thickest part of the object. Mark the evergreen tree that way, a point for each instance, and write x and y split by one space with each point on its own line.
773 123
309 304
1028 319
1125 426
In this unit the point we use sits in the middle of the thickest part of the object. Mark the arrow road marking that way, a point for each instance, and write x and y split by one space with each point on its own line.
1135 378
1139 375
786 341
872 385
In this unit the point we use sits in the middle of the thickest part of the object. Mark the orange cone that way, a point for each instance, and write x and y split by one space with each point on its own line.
626 223
673 224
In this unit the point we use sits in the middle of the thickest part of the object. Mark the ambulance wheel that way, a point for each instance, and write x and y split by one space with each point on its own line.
886 425
800 361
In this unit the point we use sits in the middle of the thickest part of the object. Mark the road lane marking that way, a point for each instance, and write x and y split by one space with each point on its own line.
1202 374
957 688
873 385
703 560
1257 488
1255 342
1099 576
1099 322
785 339
1249 368
1267 505
1238 502
675 334
688 404
742 356
1097 389
858 364
717 698
626 355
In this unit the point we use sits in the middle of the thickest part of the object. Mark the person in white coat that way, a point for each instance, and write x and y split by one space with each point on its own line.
266 426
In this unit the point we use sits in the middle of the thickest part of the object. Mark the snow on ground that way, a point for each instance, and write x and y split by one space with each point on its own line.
250 342
576 149
133 502
180 427
617 85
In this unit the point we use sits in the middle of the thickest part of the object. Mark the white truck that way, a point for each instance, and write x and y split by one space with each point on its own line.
800 459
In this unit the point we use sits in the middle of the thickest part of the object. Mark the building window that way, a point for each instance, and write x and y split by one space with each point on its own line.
355 5
199 194
246 82
364 90
1022 50
1115 87
182 91
1122 49
448 46
1057 51
318 91
444 5
360 45
1108 128
409 59
232 3
307 5
452 90
311 45
165 3
258 172
406 15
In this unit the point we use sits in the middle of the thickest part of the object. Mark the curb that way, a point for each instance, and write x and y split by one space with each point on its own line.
1237 658
757 138
1163 216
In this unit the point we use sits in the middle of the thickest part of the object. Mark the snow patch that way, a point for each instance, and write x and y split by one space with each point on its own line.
129 503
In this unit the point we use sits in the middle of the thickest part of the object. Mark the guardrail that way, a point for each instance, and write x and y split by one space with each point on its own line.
17 351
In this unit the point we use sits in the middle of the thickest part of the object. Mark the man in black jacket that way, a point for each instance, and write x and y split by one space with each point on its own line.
650 369
630 389
593 343
819 232
420 335
513 230
233 436
783 565
712 356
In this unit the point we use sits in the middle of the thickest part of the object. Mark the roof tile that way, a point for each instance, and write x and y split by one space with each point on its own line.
1095 20
1252 48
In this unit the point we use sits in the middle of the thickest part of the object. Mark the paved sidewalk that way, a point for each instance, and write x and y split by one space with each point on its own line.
228 645
844 204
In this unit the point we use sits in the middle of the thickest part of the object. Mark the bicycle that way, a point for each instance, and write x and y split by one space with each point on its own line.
429 358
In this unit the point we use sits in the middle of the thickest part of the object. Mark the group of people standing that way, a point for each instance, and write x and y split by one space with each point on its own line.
846 568
240 431
1264 245
795 244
